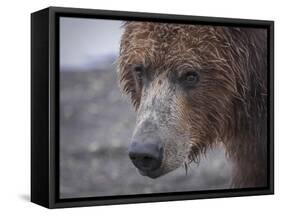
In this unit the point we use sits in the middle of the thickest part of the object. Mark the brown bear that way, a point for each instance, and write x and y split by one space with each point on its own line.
194 87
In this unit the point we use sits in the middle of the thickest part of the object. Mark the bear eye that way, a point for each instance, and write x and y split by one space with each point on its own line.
139 71
190 78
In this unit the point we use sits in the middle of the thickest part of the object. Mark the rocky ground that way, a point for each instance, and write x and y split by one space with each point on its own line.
95 129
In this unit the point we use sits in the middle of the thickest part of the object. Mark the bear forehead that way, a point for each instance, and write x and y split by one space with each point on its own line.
167 33
159 43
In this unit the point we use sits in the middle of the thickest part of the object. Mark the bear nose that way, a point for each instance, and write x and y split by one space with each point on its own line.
146 157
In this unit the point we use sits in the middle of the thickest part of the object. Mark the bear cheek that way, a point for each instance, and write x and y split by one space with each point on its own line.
174 156
181 112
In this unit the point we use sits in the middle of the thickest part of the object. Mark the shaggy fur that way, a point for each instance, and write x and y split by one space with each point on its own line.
228 105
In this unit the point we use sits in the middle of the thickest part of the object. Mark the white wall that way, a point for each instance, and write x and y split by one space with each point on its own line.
15 106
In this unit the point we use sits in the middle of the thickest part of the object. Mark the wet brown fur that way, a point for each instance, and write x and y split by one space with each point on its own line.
228 106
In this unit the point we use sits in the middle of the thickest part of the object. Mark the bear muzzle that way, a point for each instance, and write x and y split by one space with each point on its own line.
146 153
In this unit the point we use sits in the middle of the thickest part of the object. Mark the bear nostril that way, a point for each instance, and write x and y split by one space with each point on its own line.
147 158
133 157
148 161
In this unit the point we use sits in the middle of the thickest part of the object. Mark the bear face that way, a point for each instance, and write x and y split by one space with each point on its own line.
187 83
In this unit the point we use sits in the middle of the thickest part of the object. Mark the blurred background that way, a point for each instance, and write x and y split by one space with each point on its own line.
96 122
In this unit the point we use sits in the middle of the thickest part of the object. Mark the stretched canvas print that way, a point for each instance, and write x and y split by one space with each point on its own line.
147 107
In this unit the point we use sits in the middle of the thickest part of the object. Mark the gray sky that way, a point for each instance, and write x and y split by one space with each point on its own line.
86 41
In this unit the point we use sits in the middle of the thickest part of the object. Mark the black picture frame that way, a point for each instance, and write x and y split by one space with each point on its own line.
45 107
